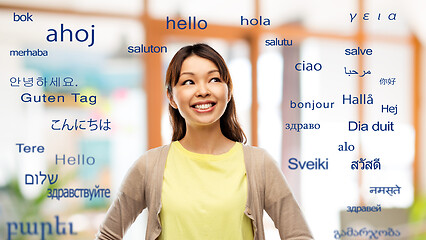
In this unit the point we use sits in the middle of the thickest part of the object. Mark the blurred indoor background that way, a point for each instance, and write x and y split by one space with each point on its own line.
130 93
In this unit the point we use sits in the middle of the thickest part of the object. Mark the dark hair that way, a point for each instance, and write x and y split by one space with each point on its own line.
228 121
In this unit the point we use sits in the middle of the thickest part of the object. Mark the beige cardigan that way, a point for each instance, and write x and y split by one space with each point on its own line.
267 189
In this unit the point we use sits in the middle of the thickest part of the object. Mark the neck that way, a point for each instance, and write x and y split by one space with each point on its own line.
206 139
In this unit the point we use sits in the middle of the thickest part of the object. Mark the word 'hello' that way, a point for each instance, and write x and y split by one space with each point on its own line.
182 24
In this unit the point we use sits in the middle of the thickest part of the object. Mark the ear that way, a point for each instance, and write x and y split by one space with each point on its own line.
171 101
230 94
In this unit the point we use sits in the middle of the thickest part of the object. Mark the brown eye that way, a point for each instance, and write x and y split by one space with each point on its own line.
215 80
188 82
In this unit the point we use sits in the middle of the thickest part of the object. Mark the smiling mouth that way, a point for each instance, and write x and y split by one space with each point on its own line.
204 106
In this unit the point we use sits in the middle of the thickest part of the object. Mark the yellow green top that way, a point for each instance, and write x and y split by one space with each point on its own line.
204 195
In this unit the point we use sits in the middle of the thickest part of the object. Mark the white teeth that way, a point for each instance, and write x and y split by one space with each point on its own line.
203 106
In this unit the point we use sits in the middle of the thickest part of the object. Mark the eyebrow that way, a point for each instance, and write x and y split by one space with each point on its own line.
191 73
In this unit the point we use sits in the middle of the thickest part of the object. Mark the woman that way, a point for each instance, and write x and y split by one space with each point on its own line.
206 184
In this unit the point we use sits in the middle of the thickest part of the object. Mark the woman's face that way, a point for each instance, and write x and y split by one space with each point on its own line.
200 95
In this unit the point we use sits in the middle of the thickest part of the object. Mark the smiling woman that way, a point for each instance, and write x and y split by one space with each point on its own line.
183 62
200 95
206 184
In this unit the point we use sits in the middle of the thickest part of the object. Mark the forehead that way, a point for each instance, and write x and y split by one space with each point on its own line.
196 64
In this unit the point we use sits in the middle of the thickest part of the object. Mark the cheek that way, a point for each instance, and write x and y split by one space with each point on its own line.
223 92
181 96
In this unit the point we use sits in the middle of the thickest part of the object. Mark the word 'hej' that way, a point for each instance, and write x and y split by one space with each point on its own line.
366 16
41 229
390 109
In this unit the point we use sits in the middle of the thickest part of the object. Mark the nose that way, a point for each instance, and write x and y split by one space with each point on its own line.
202 90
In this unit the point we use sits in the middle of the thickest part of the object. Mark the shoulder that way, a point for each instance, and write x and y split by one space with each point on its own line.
257 154
151 157
142 168
156 152
255 151
260 160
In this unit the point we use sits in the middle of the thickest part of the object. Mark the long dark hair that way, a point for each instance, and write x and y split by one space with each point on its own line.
228 121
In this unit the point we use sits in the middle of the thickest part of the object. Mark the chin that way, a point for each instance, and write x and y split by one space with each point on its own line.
205 122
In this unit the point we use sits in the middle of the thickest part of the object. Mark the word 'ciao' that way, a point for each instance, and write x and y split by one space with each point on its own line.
302 66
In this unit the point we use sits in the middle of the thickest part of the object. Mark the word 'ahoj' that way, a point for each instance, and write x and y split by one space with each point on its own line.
81 35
